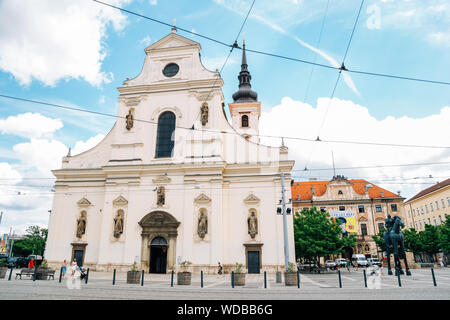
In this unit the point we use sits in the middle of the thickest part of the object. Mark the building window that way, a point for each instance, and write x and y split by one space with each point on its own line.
363 229
429 221
394 207
440 219
361 209
443 203
448 201
421 209
244 121
434 221
426 208
431 207
378 208
380 226
165 139
341 208
437 205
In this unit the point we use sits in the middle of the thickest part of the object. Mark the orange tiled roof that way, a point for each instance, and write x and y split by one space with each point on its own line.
320 187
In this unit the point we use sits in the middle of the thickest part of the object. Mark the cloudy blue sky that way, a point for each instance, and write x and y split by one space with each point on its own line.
77 53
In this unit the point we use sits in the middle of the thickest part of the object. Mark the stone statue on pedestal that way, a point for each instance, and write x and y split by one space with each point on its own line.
202 229
81 224
252 223
118 224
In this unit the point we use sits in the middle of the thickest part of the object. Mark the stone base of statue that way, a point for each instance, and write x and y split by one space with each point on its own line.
290 278
184 278
133 276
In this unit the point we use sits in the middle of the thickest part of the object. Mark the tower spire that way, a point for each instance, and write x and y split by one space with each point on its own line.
245 93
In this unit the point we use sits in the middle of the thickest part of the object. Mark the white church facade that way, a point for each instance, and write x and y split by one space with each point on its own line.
173 180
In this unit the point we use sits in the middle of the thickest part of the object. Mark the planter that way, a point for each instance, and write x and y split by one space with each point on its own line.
290 279
133 276
183 278
3 272
239 279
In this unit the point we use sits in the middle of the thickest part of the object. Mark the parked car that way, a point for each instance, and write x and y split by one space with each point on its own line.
330 264
11 262
360 260
341 262
374 262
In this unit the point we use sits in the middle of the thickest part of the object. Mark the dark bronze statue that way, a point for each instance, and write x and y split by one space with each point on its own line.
393 238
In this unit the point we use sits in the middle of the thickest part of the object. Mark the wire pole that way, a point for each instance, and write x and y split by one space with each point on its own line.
286 244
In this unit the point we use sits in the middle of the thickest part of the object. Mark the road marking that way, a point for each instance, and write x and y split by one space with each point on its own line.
303 278
344 277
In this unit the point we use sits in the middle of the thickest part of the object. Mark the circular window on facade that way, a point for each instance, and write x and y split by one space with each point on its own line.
171 69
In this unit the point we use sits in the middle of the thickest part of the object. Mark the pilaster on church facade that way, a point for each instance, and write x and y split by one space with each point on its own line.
174 180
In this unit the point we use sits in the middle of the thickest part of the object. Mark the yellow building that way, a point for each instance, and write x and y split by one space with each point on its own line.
429 206
361 204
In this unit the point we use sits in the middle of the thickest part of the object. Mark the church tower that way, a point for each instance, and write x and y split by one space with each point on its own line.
245 109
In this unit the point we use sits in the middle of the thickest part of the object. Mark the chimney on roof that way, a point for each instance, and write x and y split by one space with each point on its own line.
298 197
312 179
382 193
366 187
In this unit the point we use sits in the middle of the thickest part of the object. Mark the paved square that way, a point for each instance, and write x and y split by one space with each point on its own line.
419 286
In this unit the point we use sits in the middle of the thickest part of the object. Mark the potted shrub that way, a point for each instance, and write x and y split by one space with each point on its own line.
42 271
290 275
239 275
184 277
134 275
3 268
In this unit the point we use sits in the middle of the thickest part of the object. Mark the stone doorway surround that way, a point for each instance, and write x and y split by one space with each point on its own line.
253 247
78 246
158 224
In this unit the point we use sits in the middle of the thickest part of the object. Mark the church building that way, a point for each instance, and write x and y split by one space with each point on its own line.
174 180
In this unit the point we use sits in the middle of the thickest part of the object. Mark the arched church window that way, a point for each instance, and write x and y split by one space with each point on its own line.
244 121
164 140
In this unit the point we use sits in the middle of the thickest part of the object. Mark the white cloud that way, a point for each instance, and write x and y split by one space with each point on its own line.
30 125
81 146
53 40
349 121
153 2
146 41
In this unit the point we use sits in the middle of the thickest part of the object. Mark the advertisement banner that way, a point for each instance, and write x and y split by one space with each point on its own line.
347 219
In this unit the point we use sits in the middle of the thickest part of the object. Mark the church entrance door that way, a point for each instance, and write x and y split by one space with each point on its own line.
253 262
158 255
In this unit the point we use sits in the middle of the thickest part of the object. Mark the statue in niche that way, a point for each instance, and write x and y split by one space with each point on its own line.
118 224
252 223
204 113
81 224
202 229
161 197
129 120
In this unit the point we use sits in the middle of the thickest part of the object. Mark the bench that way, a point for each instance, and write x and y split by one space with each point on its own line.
25 272
51 274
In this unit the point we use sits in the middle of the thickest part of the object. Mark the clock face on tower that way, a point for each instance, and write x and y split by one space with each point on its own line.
171 69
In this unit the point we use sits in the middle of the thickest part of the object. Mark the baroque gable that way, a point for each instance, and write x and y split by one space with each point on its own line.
203 198
120 201
252 199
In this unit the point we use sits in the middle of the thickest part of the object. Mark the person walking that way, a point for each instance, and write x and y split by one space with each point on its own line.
348 264
441 262
31 264
64 268
220 269
74 266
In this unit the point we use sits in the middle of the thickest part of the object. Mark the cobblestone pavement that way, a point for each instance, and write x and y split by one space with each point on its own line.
312 286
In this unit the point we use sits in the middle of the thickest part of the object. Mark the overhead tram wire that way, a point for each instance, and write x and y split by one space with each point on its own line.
220 131
336 83
277 55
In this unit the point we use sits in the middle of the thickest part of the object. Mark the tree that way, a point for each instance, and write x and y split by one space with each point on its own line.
444 235
32 243
412 241
316 235
429 240
379 241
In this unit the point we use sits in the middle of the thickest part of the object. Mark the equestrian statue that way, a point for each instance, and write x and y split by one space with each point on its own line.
393 239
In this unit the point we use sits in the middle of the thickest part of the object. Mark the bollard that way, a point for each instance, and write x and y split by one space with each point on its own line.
365 278
87 277
298 279
201 278
232 279
114 277
434 279
142 278
340 281
265 279
171 280
60 274
399 281
10 274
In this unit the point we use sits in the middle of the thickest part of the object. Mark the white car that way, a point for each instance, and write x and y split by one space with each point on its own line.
374 262
330 264
360 259
341 262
